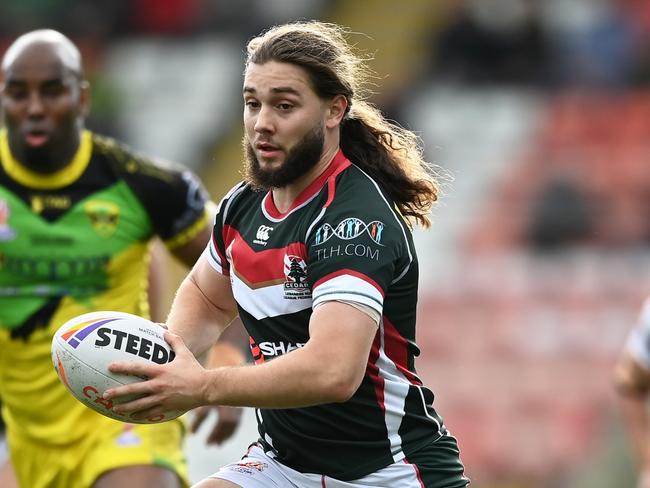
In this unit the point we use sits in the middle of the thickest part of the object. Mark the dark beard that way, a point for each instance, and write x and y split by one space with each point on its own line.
300 160
39 159
48 158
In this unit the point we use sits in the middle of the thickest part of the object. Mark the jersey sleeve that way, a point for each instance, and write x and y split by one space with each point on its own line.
638 341
216 251
355 251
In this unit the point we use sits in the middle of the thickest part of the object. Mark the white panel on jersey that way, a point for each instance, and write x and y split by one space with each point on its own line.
349 288
269 301
396 387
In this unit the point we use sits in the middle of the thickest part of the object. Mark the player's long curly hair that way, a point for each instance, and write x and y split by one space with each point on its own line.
390 154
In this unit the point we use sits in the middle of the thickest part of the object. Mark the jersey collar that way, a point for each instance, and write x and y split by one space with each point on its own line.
338 164
35 180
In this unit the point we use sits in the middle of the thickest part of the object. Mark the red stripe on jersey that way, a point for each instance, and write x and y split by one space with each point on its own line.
372 371
258 357
224 262
331 181
259 267
338 164
349 272
396 348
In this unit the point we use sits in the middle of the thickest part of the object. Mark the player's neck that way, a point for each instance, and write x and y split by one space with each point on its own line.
283 197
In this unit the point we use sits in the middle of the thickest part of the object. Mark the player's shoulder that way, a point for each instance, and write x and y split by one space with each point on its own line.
134 164
358 206
242 194
357 192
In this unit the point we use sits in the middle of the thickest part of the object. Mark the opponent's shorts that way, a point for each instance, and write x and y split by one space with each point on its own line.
113 445
426 468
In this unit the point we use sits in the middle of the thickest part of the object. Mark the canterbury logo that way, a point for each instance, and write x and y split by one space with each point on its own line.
263 232
350 229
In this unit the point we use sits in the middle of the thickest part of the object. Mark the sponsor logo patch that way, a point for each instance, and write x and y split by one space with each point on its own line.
356 250
350 228
41 203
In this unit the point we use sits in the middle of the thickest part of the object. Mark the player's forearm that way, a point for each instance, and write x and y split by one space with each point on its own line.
296 379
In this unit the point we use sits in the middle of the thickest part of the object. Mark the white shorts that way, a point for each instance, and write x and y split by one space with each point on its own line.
257 470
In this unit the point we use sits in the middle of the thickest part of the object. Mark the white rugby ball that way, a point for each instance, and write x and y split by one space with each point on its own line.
84 346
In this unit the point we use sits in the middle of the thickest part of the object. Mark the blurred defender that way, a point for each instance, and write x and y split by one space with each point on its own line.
632 376
77 211
314 252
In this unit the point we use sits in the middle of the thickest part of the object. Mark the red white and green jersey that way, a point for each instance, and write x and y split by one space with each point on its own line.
342 239
72 242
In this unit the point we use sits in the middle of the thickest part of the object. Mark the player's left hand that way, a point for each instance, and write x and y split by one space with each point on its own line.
226 424
178 385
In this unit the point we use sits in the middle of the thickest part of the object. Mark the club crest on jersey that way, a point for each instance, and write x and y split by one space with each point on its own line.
350 228
295 272
6 232
104 216
262 235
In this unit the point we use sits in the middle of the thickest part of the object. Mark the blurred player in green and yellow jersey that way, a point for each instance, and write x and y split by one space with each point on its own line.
77 213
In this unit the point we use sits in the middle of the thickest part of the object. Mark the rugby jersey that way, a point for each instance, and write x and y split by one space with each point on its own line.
638 341
342 239
72 242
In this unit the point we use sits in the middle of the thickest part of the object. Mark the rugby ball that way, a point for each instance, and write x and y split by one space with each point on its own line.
84 346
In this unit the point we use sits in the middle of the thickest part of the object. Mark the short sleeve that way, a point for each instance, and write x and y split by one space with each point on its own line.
216 251
174 197
355 252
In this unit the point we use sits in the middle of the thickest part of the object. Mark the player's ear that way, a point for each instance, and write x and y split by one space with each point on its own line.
336 111
84 98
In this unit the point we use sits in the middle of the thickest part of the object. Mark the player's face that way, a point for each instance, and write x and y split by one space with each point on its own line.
43 104
284 123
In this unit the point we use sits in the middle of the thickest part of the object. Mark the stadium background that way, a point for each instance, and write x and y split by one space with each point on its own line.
538 259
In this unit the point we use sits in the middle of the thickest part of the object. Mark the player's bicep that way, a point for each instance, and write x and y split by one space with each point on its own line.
213 286
202 308
341 337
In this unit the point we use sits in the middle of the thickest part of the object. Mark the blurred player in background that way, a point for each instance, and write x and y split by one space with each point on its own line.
314 252
632 377
77 212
